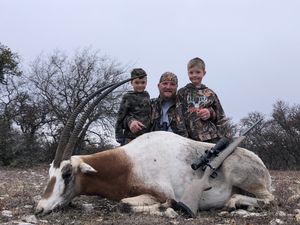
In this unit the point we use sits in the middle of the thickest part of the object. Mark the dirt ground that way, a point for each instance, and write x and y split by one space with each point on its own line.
20 189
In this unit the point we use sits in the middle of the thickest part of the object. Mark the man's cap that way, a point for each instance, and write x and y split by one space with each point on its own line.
168 76
138 72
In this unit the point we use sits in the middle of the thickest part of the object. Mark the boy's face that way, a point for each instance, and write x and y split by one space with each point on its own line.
139 84
196 75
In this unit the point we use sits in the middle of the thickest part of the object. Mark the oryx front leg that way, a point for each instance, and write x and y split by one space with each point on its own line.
148 204
157 209
238 200
140 200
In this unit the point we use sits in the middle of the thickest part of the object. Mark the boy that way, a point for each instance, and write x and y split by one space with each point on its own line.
204 116
134 113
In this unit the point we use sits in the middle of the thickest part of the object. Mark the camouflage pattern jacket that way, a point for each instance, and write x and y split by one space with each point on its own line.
191 98
176 123
134 106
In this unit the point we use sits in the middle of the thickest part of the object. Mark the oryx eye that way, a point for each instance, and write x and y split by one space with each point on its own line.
66 172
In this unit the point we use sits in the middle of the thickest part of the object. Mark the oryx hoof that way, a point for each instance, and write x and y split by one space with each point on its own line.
181 207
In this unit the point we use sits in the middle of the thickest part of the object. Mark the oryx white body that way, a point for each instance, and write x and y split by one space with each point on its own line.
155 168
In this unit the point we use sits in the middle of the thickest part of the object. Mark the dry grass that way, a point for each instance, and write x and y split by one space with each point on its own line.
19 189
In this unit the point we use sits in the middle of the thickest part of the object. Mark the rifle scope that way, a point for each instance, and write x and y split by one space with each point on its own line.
214 151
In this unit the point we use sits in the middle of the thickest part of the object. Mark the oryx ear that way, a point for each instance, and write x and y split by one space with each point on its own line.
86 168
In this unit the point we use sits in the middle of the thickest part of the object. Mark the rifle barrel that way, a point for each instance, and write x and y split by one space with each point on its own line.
250 128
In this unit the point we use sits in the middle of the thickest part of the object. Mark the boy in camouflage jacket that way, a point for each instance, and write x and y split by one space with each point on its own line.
200 107
134 109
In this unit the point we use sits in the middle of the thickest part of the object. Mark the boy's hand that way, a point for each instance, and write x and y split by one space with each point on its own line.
204 113
135 126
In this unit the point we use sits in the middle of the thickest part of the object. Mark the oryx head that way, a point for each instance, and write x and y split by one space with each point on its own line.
64 170
62 187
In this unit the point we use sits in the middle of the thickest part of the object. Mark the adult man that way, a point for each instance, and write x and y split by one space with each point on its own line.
163 108
163 115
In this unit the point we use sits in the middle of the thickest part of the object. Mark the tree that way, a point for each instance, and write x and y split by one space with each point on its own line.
63 82
20 118
9 64
35 107
277 142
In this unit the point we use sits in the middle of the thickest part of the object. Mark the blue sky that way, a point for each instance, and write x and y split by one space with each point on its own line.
251 47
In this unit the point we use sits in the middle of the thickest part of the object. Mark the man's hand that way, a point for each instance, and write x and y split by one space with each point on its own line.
135 126
204 113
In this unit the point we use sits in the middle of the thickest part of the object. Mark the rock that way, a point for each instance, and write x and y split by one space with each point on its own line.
223 213
100 219
88 207
240 212
257 214
227 222
28 206
297 211
171 213
276 221
7 213
2 197
37 198
245 214
293 198
22 223
297 216
280 214
30 219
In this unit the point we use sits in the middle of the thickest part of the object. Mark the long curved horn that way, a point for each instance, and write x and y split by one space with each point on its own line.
70 124
74 136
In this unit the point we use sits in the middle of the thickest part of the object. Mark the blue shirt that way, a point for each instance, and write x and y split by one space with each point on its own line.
165 118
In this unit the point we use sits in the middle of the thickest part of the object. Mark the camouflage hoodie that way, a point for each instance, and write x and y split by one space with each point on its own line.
175 121
134 106
191 98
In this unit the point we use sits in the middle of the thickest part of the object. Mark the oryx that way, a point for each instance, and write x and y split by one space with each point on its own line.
150 172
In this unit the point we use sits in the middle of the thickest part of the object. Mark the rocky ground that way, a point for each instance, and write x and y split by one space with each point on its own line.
20 189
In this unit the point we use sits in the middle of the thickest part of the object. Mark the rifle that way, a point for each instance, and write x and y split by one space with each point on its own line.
189 201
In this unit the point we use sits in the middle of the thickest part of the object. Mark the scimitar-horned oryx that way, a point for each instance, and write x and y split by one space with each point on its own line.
150 173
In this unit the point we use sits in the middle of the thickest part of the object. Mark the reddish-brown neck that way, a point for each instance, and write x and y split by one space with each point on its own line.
114 178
